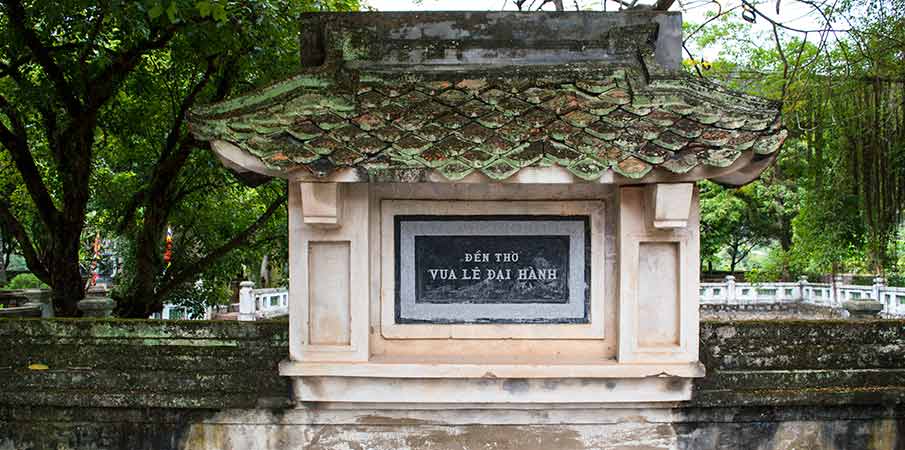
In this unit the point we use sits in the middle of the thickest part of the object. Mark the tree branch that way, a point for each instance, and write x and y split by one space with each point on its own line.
719 13
785 61
190 271
663 5
176 151
12 226
16 142
187 102
758 12
89 44
103 86
189 190
63 88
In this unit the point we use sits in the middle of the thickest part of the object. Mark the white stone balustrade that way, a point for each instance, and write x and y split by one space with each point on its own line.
272 302
254 304
832 294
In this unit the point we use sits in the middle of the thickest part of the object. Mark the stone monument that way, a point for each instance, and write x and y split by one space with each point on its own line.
493 208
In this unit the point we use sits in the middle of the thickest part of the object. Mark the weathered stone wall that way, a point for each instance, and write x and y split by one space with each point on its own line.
769 311
115 384
131 384
833 384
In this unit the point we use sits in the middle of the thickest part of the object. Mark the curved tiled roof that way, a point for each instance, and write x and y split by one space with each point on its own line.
395 96
583 120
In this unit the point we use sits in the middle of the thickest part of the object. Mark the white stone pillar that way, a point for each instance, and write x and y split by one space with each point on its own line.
836 291
877 292
246 301
730 290
802 285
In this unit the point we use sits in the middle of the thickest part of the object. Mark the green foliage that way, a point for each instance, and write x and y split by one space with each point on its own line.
196 297
838 188
146 171
25 281
734 221
206 206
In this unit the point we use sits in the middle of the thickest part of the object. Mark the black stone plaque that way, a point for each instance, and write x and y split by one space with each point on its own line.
492 269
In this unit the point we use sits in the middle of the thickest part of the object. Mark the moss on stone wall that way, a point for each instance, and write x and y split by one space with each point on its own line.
140 364
790 362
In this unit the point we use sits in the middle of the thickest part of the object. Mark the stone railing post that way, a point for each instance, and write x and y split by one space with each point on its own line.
246 301
877 291
802 284
730 290
42 298
836 291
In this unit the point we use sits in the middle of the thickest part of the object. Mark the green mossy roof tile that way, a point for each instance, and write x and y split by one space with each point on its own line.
475 108
653 153
452 121
368 144
579 118
493 120
560 130
632 167
527 155
431 132
346 157
475 157
475 132
596 87
433 157
587 168
495 145
452 145
411 144
456 170
390 134
603 130
500 169
535 95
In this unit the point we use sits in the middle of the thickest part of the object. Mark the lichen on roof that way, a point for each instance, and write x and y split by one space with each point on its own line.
588 117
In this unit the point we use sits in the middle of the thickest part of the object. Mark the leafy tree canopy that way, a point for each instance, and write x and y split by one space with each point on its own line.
93 98
839 185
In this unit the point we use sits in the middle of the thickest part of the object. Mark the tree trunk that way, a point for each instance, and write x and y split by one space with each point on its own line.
264 273
141 301
66 280
73 154
733 251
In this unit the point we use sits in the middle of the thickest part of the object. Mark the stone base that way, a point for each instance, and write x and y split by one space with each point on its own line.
636 427
863 309
97 306
483 385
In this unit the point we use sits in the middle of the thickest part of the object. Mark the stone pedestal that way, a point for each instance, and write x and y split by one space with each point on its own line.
97 304
863 309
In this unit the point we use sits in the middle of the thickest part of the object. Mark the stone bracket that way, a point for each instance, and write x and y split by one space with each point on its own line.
671 204
322 204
